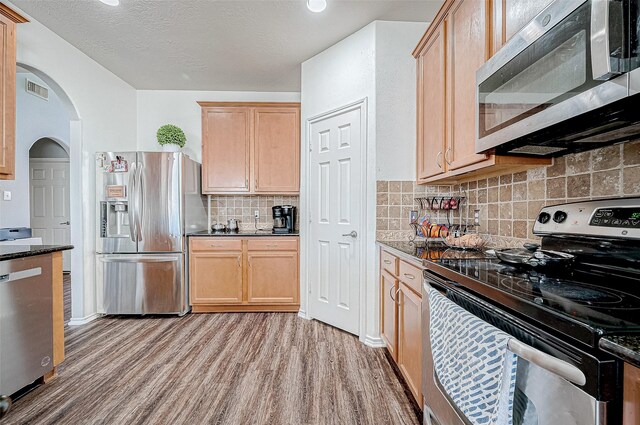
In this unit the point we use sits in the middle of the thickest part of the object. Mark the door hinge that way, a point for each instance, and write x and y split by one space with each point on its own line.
310 147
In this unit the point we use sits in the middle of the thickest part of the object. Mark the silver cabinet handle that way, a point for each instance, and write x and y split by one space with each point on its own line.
239 263
397 292
437 160
391 294
387 261
66 223
409 276
353 234
545 361
446 156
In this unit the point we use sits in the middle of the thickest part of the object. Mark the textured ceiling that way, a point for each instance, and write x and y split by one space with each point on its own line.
213 45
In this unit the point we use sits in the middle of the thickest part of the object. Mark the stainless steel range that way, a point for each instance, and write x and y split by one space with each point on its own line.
557 312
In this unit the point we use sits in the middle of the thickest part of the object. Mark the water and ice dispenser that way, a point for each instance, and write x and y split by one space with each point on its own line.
114 213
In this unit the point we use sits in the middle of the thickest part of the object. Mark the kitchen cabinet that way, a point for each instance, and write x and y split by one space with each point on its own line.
455 45
8 21
389 312
631 397
509 16
244 274
401 317
250 148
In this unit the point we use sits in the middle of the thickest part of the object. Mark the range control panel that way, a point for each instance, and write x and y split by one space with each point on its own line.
618 218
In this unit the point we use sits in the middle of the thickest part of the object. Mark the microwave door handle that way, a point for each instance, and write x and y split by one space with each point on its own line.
600 41
131 204
547 362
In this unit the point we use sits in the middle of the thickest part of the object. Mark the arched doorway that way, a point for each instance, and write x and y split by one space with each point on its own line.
79 294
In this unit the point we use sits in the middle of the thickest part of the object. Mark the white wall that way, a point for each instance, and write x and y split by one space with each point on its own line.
35 118
374 63
396 99
179 107
106 107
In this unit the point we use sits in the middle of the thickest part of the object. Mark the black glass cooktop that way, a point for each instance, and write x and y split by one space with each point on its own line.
582 302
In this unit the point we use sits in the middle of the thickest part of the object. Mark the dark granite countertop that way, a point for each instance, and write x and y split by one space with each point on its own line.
625 347
418 252
11 252
242 233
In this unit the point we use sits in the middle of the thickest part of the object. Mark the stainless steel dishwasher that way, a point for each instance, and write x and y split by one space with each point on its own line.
26 323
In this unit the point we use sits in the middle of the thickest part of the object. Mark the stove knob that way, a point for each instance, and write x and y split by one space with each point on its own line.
559 216
544 217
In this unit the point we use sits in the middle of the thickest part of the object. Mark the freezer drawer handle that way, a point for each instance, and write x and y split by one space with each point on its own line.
138 259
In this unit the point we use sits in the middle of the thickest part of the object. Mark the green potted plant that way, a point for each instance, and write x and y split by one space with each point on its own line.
171 138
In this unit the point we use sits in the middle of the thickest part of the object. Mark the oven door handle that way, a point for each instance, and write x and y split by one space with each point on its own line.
547 362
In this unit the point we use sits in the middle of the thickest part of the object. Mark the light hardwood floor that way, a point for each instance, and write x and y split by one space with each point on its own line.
256 368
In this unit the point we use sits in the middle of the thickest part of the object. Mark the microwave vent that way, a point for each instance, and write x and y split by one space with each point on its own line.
536 150
37 90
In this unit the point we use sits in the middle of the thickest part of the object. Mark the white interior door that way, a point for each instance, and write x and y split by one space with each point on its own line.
335 193
49 192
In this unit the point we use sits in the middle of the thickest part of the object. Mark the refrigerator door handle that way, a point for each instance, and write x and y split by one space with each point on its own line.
133 230
139 201
123 258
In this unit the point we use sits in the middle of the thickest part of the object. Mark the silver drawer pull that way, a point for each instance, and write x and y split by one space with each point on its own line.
409 276
387 261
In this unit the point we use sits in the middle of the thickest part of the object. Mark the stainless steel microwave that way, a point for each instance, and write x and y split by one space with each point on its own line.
567 82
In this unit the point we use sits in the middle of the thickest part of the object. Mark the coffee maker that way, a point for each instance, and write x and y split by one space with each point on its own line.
284 219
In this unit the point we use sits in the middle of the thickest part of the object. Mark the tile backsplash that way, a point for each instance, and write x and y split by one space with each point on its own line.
510 203
242 207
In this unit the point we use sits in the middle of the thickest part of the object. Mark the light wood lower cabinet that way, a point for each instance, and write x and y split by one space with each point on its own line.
631 399
401 319
235 274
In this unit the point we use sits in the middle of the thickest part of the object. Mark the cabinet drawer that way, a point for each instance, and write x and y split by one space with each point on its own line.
411 276
215 244
389 262
270 244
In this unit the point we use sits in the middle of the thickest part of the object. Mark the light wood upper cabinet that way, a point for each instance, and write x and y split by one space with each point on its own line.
389 312
468 35
509 16
276 150
8 21
431 105
273 277
250 147
456 44
410 339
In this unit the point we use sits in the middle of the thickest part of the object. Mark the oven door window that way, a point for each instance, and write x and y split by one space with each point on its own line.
555 67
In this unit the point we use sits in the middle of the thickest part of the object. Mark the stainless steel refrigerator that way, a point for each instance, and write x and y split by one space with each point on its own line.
146 204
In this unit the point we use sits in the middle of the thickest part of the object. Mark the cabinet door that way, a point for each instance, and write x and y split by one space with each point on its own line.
468 49
389 312
631 403
225 149
7 97
431 106
410 339
276 147
509 16
273 277
216 278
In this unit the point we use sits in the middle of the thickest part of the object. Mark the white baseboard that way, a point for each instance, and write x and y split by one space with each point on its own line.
374 342
77 321
304 315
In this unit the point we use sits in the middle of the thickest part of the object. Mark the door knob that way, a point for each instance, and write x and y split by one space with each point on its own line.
66 223
353 234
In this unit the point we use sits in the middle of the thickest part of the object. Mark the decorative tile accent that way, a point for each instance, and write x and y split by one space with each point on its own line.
510 203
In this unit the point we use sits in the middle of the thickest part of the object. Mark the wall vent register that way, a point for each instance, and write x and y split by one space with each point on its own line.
37 90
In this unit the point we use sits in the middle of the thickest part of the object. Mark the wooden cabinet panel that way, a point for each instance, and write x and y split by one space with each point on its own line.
272 277
410 276
216 278
7 96
276 150
468 49
271 243
431 106
215 244
389 262
389 312
410 339
631 398
225 149
510 16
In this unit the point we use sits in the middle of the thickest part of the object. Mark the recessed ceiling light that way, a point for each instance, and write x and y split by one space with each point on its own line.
315 5
111 2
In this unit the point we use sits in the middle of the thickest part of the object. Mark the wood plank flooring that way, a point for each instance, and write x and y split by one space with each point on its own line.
258 368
